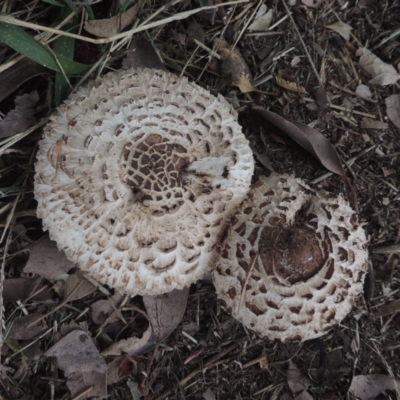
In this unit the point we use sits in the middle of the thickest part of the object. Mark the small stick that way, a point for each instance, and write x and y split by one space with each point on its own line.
248 274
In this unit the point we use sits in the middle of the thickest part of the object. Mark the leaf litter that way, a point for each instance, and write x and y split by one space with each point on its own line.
214 330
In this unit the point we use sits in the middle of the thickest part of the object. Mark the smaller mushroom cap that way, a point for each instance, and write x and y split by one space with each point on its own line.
135 175
293 260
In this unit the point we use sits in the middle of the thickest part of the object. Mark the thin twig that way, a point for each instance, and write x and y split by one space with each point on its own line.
302 43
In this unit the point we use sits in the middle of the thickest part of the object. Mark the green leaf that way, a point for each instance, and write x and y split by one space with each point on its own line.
22 42
65 47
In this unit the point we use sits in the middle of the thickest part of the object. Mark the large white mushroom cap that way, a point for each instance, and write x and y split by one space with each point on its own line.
293 261
135 175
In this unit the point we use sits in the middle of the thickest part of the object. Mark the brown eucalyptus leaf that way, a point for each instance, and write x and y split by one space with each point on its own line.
312 141
111 26
298 383
47 261
166 311
133 345
368 387
23 115
12 78
393 109
19 330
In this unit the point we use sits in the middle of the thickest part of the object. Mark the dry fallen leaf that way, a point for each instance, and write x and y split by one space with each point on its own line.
141 54
298 383
311 140
165 311
234 69
368 123
77 287
195 31
23 115
363 91
381 72
312 3
293 86
386 309
393 109
47 261
209 394
76 352
19 330
12 78
24 288
82 364
103 309
262 23
342 29
368 387
111 26
133 345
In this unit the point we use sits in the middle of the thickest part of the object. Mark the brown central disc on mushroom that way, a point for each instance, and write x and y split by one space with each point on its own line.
293 253
136 174
153 169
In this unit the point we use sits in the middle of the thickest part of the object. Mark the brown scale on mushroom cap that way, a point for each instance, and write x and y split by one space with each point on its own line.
135 175
293 260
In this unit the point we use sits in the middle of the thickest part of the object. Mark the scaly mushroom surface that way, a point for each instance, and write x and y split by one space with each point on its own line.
136 174
293 260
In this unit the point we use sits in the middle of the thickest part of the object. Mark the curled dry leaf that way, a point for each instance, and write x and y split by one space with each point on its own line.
381 72
234 69
47 261
21 117
342 29
19 330
293 86
368 387
311 140
111 26
393 109
133 345
23 289
165 311
298 383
